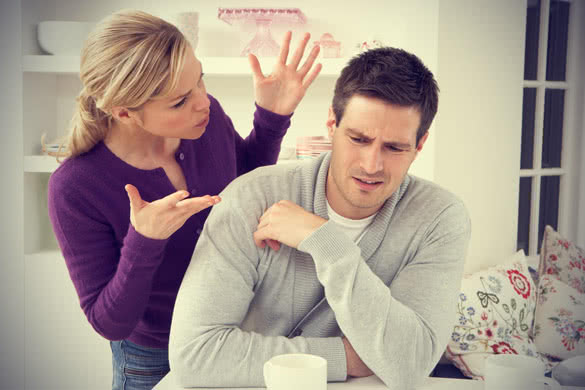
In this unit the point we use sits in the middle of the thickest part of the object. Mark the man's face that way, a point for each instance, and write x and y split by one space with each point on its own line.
373 147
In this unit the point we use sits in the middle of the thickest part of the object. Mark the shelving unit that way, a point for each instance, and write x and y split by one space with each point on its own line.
216 66
213 66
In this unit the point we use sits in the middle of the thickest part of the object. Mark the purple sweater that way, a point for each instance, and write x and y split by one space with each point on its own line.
127 283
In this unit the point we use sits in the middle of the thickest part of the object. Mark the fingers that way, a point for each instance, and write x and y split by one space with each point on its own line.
285 48
274 245
264 232
298 54
258 239
256 68
134 197
309 80
194 205
310 61
174 198
261 240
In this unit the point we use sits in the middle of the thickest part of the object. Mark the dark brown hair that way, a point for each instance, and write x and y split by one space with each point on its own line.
392 75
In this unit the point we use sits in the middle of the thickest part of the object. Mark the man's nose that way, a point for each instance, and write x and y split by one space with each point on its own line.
371 161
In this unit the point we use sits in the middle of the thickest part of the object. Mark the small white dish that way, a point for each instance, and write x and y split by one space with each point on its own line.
63 37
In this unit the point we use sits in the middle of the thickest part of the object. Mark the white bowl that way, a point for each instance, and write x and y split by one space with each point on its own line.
63 37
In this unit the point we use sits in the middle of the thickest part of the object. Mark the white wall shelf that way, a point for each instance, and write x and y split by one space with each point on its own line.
45 255
217 66
50 64
40 164
48 164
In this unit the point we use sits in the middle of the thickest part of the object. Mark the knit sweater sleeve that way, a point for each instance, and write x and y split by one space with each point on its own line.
262 146
399 331
207 345
113 283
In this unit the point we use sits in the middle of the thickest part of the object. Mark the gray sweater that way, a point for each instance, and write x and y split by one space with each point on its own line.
392 295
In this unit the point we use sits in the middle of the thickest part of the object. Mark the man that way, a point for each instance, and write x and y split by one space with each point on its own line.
344 256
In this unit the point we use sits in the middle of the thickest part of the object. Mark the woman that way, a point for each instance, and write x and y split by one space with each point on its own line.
149 151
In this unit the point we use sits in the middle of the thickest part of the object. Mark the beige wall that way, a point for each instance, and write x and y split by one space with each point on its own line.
474 47
477 153
11 204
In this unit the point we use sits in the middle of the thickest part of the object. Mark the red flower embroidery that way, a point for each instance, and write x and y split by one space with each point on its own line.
553 257
550 271
520 283
503 347
574 264
569 343
484 316
489 333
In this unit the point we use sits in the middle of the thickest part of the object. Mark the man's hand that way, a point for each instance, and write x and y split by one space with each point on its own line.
355 366
287 223
283 89
161 218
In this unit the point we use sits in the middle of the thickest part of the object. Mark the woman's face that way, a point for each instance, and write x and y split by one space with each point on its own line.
185 112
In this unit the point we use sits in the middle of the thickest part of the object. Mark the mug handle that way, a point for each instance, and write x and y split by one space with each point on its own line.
551 383
267 381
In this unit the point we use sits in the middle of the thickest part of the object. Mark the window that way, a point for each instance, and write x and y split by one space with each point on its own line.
549 161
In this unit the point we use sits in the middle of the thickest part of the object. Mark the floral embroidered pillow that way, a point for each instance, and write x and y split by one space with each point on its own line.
562 259
495 312
559 323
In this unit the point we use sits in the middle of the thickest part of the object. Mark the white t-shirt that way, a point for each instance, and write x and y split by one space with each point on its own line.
354 228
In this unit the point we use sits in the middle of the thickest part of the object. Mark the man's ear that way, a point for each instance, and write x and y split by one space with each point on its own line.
421 142
331 123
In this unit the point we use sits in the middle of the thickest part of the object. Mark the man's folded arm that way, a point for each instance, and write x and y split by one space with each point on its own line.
207 347
399 331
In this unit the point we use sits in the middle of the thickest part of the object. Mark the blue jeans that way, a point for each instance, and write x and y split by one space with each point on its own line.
137 367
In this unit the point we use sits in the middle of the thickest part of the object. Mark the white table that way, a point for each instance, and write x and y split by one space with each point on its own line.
369 383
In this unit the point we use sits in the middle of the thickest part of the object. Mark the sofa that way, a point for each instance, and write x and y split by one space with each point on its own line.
531 306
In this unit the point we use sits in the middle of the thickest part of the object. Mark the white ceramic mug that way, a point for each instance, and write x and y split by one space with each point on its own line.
296 371
516 372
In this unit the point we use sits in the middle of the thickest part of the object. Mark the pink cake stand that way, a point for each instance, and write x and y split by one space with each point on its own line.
262 45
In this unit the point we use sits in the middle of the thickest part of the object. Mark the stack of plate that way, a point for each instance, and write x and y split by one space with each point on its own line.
55 150
308 147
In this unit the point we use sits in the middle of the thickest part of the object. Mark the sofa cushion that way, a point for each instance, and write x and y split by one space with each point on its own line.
495 313
562 259
559 326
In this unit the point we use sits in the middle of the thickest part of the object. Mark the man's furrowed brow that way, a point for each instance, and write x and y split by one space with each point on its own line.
357 133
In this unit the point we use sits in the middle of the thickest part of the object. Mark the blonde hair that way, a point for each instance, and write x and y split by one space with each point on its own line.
130 58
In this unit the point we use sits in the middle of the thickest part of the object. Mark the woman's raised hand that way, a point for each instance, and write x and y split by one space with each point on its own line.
161 218
283 89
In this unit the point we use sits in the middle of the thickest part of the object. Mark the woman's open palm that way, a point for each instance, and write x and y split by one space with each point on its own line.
283 89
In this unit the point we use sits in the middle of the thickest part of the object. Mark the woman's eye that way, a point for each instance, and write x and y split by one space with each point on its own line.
180 103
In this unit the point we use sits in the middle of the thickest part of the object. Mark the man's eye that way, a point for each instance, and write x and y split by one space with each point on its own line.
394 149
357 140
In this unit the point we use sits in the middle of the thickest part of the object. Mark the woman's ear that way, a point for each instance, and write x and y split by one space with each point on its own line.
126 116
